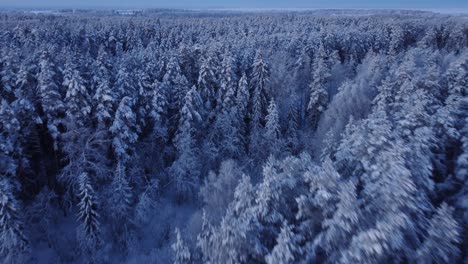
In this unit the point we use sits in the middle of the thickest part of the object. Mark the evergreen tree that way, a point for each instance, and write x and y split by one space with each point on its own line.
260 85
13 240
185 169
124 129
286 250
339 229
441 244
77 97
272 129
207 84
181 251
227 90
158 105
49 95
103 98
292 128
121 195
88 215
318 99
120 200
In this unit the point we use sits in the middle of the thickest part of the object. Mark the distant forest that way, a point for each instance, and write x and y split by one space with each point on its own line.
170 136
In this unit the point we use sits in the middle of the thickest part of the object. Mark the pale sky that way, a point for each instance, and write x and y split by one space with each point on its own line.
397 4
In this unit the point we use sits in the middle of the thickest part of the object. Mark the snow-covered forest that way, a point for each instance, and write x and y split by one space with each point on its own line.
233 137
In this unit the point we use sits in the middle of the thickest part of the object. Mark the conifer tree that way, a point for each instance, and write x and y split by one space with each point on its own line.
13 240
185 169
88 215
124 129
50 96
76 97
287 249
318 99
181 251
441 244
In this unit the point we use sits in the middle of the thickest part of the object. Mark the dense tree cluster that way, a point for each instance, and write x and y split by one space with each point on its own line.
224 137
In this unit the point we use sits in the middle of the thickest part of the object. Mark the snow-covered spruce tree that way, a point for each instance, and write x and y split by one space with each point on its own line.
8 64
256 127
338 229
49 95
175 83
242 96
225 135
181 251
124 83
272 129
13 241
124 129
77 99
441 243
227 89
89 230
318 98
185 170
158 107
207 85
231 242
393 212
104 98
143 97
10 149
260 84
118 204
292 128
242 104
286 250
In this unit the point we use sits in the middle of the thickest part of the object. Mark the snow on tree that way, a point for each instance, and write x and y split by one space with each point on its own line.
231 242
392 208
272 129
185 170
124 129
49 95
227 90
260 84
176 83
158 105
286 250
103 99
318 98
76 98
225 135
242 96
147 203
338 229
241 104
207 84
9 147
13 240
120 195
88 214
124 84
441 244
218 190
7 74
119 207
181 251
292 129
